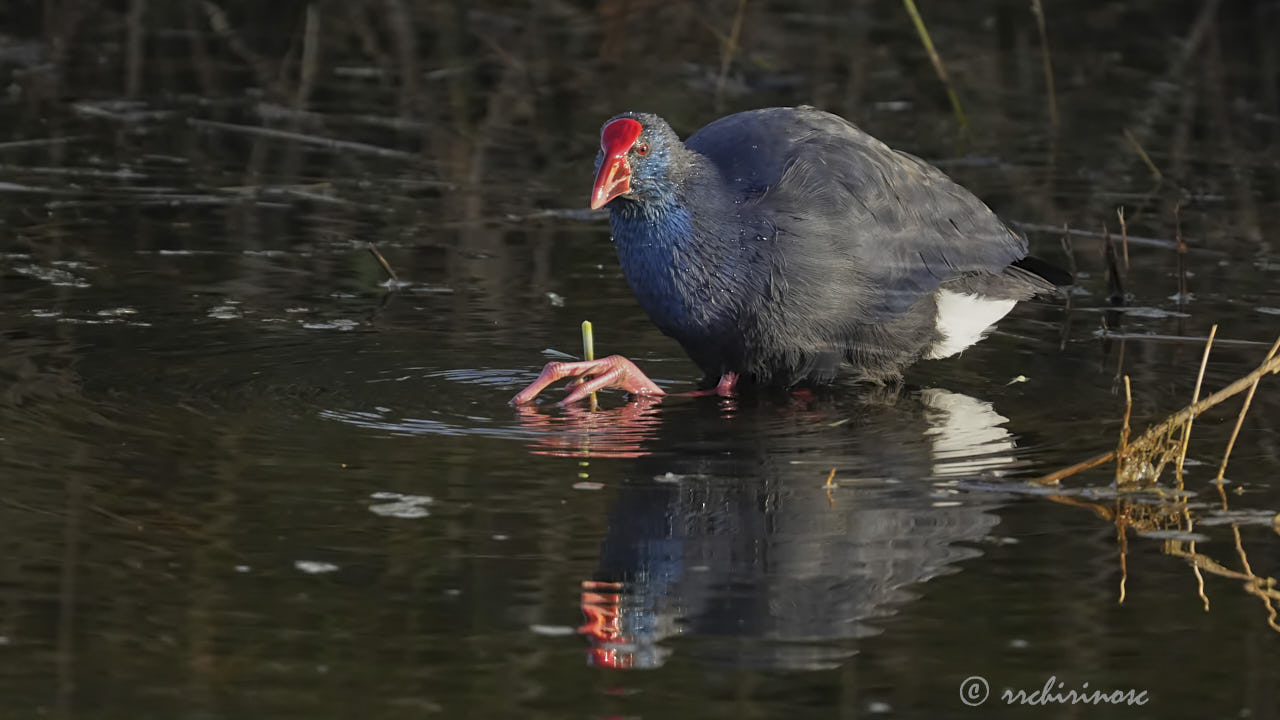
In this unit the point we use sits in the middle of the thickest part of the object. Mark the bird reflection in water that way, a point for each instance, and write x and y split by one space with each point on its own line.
578 431
723 532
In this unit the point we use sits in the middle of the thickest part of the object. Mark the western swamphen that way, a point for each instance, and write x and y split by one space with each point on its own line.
778 246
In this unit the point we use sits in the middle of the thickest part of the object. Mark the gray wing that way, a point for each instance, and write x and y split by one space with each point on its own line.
847 204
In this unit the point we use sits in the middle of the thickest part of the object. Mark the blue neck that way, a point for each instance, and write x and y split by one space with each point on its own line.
675 266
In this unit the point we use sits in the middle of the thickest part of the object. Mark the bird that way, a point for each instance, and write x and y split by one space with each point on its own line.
785 246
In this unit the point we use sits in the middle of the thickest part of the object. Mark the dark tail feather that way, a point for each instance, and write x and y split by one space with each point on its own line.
1048 274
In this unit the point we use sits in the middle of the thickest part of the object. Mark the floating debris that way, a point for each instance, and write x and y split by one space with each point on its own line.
313 567
53 276
588 486
555 299
407 507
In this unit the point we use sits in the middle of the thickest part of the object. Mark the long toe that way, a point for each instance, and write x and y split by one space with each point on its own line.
633 379
609 379
554 372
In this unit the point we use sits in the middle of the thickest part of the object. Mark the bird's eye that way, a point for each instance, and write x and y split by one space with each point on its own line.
642 149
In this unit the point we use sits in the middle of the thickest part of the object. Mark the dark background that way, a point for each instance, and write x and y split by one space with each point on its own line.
205 384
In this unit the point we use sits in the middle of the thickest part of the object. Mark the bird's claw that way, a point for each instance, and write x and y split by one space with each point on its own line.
614 371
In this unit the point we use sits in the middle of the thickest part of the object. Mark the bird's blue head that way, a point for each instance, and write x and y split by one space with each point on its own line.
639 160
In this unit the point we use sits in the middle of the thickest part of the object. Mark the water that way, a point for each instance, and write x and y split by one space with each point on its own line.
246 477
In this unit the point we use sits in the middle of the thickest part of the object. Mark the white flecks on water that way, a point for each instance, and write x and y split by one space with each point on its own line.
1268 310
225 312
555 299
313 567
73 265
53 276
1148 312
500 537
552 630
117 312
340 324
588 486
243 568
429 289
397 505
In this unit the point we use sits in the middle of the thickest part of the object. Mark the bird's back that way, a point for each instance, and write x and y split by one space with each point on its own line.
901 222
857 240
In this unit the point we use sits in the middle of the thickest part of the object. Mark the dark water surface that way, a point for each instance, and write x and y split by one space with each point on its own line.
243 477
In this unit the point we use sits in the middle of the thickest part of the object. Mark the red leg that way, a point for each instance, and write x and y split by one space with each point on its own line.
620 372
724 388
728 382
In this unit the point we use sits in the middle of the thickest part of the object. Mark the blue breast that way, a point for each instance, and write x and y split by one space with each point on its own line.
685 290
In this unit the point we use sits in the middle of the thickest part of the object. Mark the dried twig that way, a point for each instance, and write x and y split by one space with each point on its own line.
1128 410
373 250
1038 10
1155 443
1124 238
938 67
1195 396
1133 239
1248 400
1137 147
1115 281
329 143
1182 254
1054 478
728 49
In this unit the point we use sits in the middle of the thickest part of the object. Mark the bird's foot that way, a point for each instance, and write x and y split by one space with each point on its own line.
727 387
614 371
